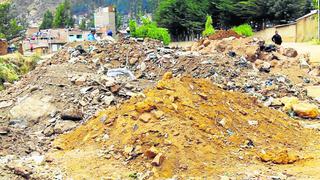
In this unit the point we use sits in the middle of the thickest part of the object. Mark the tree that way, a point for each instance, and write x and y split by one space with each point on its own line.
9 26
83 24
308 7
286 10
182 16
63 17
47 20
208 30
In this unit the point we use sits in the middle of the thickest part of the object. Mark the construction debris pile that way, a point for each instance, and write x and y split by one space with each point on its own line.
85 78
185 127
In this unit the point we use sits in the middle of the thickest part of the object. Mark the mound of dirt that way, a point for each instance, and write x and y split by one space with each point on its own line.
182 127
221 34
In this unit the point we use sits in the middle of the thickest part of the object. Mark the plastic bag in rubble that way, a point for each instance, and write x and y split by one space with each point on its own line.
120 72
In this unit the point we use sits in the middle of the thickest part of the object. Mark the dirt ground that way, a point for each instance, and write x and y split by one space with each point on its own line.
313 50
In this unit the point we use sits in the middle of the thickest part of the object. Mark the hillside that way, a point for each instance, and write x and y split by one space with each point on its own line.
33 10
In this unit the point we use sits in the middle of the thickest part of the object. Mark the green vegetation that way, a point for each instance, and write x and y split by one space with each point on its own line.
315 41
83 24
10 27
12 66
187 16
47 20
208 30
63 17
149 29
244 30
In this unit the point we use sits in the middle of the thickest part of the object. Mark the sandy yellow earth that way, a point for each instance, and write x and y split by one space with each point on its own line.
197 130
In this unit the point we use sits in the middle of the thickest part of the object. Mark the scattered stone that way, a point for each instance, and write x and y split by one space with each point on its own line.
4 130
72 114
32 109
63 126
108 100
158 160
143 66
290 52
5 104
80 81
116 88
253 123
145 117
306 110
158 114
151 153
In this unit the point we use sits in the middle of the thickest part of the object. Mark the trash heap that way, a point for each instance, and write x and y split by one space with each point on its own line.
84 78
183 127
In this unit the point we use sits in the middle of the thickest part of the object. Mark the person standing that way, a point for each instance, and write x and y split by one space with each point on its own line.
277 39
91 36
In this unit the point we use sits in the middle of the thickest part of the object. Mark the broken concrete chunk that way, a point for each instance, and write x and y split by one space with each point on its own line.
4 130
158 160
151 153
80 81
145 117
72 114
63 126
306 110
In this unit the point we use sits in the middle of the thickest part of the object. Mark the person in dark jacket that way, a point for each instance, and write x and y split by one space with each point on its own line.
277 39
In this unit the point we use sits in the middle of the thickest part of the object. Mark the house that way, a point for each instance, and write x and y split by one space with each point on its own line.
51 40
32 31
76 35
105 18
3 47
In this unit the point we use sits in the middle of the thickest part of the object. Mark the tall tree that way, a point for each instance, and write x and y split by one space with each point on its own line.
47 20
63 17
83 24
9 26
182 16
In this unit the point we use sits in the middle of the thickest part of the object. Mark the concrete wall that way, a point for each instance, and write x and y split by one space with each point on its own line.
307 28
266 34
304 30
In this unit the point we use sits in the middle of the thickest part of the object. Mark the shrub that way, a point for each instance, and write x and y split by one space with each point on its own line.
244 30
12 66
315 41
209 30
149 29
133 27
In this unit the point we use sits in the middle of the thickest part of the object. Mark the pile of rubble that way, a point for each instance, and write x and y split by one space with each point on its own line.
183 127
86 77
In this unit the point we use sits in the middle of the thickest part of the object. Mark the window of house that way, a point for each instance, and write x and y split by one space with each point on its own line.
79 36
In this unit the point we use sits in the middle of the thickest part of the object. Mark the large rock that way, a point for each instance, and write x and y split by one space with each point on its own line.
305 110
63 126
290 52
32 109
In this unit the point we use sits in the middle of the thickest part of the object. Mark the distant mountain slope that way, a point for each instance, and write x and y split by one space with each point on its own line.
33 10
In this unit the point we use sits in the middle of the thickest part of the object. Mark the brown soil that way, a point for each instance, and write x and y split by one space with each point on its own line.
221 34
200 129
